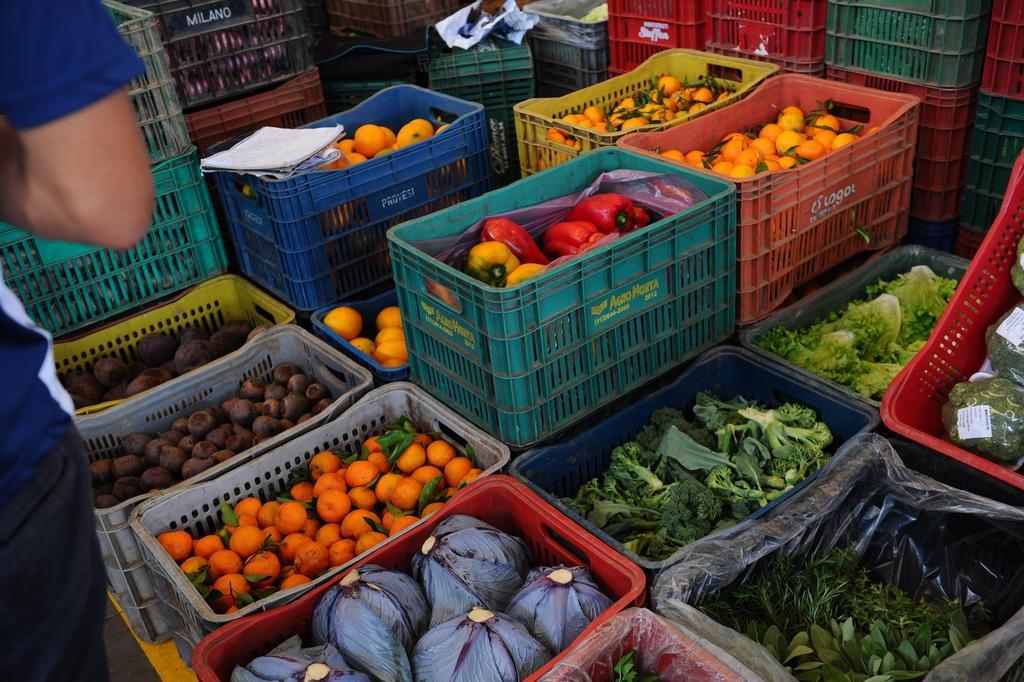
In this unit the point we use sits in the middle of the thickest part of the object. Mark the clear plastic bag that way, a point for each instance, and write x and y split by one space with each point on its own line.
930 540
663 648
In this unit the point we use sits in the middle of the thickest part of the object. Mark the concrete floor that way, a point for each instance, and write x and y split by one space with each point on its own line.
125 659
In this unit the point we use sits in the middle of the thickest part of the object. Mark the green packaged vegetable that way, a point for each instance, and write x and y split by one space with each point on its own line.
987 417
1005 341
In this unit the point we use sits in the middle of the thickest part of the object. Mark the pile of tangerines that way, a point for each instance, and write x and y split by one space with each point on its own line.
371 141
792 139
336 509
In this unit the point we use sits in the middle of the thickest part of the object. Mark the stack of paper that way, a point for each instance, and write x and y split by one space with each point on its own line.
278 152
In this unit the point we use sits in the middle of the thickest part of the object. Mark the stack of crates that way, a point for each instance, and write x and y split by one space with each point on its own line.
639 30
933 49
999 125
568 53
497 74
790 33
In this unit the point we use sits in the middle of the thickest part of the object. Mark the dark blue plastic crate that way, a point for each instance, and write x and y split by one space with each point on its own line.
368 308
316 238
558 471
935 234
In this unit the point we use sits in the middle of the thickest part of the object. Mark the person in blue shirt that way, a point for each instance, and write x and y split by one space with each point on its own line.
74 167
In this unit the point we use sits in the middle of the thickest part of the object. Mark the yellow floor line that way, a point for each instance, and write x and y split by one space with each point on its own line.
163 657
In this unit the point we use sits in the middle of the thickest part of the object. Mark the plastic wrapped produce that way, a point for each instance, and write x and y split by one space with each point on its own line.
987 417
1005 342
931 541
1017 270
557 604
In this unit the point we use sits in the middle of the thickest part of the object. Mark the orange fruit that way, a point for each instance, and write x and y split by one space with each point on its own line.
842 140
363 498
698 106
391 350
440 452
393 362
412 458
386 519
328 534
229 586
668 85
363 345
355 158
333 505
346 146
811 150
370 139
263 563
389 318
472 475
731 150
423 439
402 522
595 114
294 580
368 540
556 136
290 517
406 494
325 462
723 167
431 508
310 529
788 139
302 492
311 560
193 564
265 517
389 334
344 321
633 123
773 164
390 137
360 473
827 122
456 470
763 145
372 445
787 162
355 523
427 473
695 158
825 137
248 505
224 562
274 536
385 485
770 131
178 544
673 154
290 546
246 541
750 157
791 121
379 460
792 109
329 482
414 131
703 95
247 520
741 171
208 544
341 551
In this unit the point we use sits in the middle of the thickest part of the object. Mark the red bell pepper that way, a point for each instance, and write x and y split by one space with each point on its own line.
607 212
517 239
641 218
570 238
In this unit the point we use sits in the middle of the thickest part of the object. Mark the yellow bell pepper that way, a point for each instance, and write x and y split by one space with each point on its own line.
491 263
524 272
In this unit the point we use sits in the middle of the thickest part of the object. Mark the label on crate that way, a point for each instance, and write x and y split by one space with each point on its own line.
974 422
210 17
392 201
500 161
626 301
450 328
841 196
656 32
1012 328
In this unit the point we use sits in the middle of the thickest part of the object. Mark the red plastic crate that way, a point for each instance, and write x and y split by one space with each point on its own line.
639 28
292 104
794 225
1004 60
968 241
912 406
945 122
500 501
790 33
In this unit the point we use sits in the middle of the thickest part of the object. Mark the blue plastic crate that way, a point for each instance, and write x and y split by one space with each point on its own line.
368 308
935 234
319 237
558 471
529 361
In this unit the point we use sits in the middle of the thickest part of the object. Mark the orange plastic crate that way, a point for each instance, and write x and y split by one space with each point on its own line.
794 225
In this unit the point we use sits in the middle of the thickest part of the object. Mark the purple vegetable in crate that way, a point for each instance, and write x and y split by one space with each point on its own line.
467 563
290 663
373 616
479 646
557 604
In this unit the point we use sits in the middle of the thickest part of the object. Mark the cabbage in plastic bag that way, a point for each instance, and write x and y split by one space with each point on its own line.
478 646
289 662
987 417
1017 270
373 616
467 563
1005 342
557 604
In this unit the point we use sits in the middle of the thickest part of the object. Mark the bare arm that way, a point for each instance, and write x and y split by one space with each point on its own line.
84 177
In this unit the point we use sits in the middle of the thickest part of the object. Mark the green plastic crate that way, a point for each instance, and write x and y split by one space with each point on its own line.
66 286
937 42
527 362
997 141
343 95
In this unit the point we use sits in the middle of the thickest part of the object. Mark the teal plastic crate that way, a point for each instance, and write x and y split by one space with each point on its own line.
997 141
937 42
527 362
66 286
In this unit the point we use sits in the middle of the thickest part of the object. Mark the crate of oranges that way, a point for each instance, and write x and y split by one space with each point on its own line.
370 332
667 89
822 172
263 534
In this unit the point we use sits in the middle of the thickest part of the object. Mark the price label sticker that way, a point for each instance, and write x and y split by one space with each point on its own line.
974 422
1012 328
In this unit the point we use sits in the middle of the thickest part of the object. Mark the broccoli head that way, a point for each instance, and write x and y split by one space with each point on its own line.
629 475
720 479
1005 402
689 510
716 413
1017 272
780 433
1007 357
876 378
923 296
664 418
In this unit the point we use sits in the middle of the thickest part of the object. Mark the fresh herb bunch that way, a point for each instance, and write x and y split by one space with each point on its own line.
680 479
828 620
866 344
625 670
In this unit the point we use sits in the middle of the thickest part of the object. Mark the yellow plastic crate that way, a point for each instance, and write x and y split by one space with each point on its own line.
535 116
206 306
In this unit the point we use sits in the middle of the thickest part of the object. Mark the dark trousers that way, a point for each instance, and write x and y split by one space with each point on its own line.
52 579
